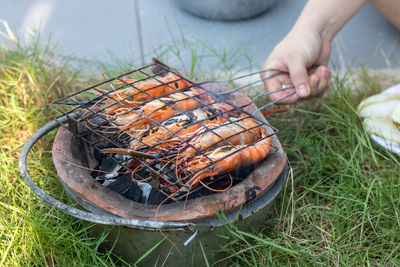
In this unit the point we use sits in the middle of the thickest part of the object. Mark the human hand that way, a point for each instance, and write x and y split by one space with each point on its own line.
296 54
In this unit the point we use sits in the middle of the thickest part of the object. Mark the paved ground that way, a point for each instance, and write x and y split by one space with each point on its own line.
102 29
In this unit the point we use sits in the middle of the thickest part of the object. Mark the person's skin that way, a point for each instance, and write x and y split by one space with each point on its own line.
390 9
309 44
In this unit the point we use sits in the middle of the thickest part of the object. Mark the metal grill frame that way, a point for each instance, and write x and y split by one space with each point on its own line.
80 109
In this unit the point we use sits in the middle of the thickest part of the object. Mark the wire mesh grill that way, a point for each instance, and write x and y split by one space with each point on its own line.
166 130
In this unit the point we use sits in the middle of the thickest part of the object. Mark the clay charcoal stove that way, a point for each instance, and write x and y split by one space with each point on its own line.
151 144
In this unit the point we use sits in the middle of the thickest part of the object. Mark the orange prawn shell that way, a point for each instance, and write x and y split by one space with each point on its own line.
240 131
152 88
243 156
173 134
155 110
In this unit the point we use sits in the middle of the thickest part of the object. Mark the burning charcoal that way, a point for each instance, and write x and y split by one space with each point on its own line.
134 192
111 176
146 189
98 155
99 178
106 164
95 174
108 181
183 191
113 173
156 198
121 184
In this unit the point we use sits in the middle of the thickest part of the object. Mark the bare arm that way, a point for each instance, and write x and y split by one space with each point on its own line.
327 17
390 9
309 43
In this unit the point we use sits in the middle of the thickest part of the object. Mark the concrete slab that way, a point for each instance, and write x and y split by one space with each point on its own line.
105 29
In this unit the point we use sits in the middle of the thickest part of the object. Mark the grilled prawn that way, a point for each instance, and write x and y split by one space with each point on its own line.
141 91
181 127
235 131
226 159
156 110
166 81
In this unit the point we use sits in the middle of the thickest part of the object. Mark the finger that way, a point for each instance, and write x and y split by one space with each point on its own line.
314 83
299 78
272 82
324 84
322 71
319 80
274 86
324 74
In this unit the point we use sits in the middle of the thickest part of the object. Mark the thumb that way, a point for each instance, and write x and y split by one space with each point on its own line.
299 77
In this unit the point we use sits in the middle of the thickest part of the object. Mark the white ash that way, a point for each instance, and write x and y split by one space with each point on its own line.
146 189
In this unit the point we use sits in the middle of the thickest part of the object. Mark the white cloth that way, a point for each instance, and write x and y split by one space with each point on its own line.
391 146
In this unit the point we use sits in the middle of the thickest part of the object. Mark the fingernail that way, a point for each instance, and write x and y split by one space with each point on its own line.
325 74
302 90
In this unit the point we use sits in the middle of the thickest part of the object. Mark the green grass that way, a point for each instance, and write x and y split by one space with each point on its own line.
31 232
340 204
341 201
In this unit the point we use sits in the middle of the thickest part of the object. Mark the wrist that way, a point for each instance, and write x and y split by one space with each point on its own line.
326 18
325 29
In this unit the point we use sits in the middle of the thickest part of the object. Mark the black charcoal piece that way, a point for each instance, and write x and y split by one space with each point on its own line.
98 155
95 174
108 181
156 198
106 164
100 178
146 189
134 192
121 184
